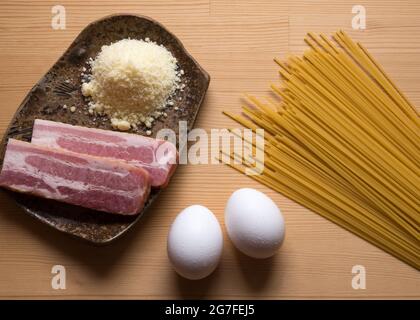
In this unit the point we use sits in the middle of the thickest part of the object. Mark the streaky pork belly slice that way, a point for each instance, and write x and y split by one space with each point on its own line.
87 181
158 157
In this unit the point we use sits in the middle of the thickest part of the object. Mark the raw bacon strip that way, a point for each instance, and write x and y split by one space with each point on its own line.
91 182
158 157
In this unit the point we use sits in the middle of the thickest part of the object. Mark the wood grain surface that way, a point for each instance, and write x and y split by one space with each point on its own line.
235 42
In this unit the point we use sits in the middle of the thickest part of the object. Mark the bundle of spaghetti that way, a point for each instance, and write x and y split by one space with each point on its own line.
344 142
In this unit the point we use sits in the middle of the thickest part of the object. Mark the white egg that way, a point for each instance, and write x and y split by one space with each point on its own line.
254 223
195 242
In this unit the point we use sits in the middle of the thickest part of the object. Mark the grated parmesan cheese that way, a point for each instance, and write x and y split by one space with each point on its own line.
121 125
130 81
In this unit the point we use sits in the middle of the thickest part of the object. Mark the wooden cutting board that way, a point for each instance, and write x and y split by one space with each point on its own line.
235 42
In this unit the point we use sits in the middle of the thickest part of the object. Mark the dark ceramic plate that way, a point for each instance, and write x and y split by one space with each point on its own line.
61 86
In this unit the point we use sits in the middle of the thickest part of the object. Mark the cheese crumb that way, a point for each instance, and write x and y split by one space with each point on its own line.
72 109
121 125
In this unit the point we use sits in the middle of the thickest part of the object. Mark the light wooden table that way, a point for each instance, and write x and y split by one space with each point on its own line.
235 42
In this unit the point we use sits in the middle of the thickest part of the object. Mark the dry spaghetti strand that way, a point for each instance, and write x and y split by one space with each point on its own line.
344 142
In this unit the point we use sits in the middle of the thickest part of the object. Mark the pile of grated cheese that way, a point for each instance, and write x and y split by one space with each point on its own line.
132 82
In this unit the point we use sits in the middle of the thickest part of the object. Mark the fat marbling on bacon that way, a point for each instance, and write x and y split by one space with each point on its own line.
158 157
87 181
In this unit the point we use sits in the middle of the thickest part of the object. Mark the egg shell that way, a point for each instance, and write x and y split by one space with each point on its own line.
195 242
254 223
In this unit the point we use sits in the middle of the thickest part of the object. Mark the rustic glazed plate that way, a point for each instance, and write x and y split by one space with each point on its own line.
61 86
